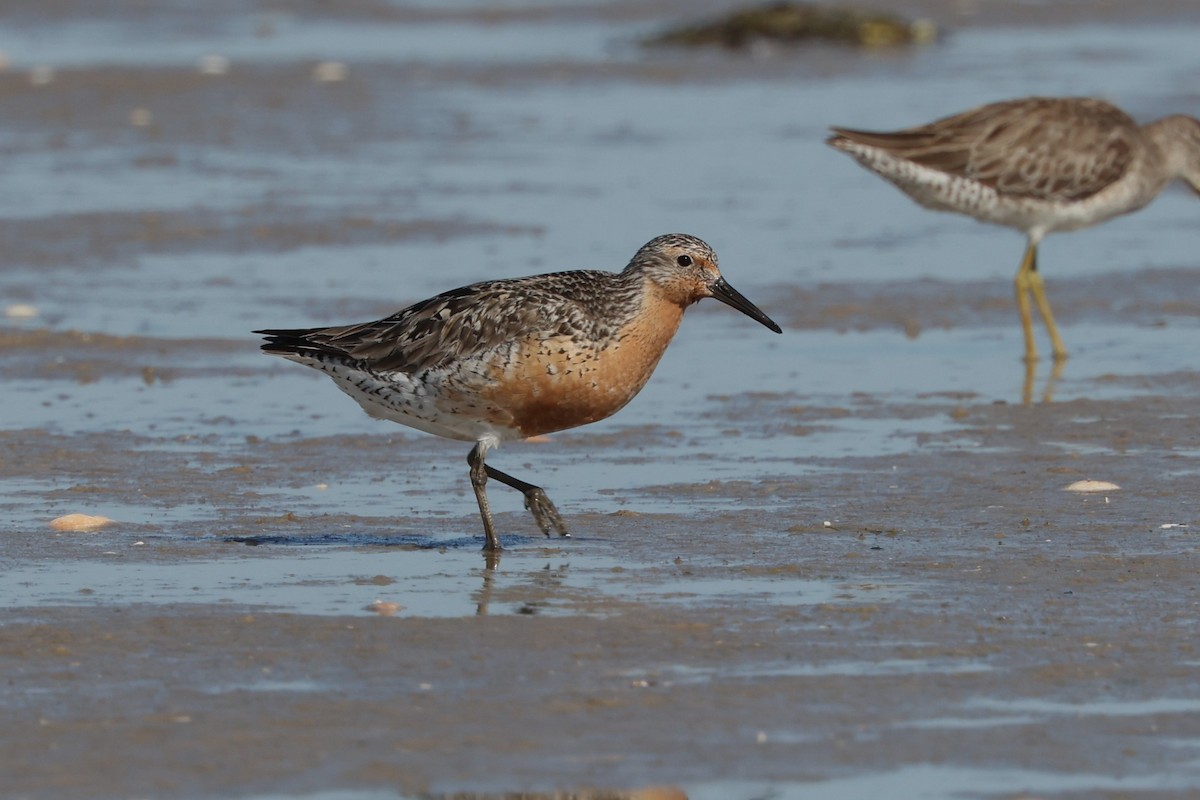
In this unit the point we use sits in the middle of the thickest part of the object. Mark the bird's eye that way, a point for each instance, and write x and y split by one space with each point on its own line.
684 261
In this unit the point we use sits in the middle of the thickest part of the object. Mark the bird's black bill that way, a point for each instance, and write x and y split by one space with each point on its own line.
732 297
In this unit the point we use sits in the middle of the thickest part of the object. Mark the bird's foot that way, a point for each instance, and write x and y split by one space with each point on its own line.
544 513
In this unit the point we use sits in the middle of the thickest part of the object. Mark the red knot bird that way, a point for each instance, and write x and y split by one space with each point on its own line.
509 359
1038 164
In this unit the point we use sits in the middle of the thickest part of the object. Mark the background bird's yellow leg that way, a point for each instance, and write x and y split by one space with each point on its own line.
1038 290
1022 285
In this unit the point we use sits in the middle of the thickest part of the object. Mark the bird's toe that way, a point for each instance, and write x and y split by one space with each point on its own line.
544 513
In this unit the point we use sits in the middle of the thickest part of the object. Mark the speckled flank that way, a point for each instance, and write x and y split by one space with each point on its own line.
1037 164
508 359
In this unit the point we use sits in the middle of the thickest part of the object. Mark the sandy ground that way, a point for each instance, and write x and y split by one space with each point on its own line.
967 613
939 617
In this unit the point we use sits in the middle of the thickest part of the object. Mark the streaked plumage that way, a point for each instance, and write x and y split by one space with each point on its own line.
509 359
1038 164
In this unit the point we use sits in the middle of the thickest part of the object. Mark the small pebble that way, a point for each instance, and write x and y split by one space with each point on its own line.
40 76
330 72
384 608
658 793
1092 486
141 117
213 64
79 523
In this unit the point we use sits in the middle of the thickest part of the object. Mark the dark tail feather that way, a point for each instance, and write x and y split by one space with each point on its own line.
295 341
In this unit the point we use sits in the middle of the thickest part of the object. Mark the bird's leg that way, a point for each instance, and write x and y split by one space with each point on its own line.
479 476
544 512
1038 290
1023 287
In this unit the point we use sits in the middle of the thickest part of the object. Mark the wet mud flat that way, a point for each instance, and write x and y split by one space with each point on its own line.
942 618
840 563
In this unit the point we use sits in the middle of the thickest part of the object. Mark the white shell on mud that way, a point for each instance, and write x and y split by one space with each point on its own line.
79 523
1092 486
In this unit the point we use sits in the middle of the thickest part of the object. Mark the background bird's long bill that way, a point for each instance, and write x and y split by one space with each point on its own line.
732 297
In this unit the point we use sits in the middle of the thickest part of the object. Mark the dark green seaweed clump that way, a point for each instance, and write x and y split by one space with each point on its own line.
801 22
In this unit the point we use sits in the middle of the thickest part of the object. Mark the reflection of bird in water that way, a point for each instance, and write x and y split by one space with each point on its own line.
510 359
1039 165
541 584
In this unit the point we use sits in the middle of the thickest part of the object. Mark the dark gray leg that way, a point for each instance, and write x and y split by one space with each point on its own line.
543 510
479 476
536 501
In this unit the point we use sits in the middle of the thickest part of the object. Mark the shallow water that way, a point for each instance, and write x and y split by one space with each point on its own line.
834 563
436 580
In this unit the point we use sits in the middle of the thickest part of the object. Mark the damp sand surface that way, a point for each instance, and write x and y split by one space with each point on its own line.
839 563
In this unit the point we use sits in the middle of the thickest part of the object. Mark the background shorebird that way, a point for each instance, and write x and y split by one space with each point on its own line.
1039 164
510 359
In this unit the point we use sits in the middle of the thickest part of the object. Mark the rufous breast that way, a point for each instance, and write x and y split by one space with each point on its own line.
562 381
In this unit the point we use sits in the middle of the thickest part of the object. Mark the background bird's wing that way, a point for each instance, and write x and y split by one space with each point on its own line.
1041 148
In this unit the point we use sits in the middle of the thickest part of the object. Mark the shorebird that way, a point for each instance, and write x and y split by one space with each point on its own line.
509 359
1038 164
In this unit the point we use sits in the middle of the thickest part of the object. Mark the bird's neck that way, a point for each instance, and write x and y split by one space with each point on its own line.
1178 140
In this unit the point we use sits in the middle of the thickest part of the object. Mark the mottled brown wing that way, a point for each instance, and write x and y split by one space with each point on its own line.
1044 148
453 325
